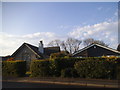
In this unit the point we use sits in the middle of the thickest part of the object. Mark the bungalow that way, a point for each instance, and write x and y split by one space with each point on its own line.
96 50
29 52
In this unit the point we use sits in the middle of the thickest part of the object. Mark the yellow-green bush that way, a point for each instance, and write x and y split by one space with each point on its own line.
40 68
58 64
96 69
14 68
59 55
90 67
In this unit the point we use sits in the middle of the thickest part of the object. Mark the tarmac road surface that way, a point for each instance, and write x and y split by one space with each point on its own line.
38 85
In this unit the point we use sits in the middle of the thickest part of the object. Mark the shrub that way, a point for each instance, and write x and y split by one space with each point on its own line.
61 63
40 68
96 69
69 72
59 55
14 68
118 68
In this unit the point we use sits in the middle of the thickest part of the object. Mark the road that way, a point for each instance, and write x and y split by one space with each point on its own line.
38 85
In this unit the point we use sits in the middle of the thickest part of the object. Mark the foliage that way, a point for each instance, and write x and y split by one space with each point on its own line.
87 67
110 57
118 71
40 68
96 69
14 68
59 55
69 72
58 64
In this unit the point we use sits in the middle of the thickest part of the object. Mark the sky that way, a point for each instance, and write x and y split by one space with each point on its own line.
34 21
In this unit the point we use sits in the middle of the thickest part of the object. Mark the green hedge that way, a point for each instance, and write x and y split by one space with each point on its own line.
40 68
90 67
69 72
96 69
59 64
14 68
118 68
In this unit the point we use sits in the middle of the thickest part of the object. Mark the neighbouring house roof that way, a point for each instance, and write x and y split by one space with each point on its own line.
108 48
49 50
34 49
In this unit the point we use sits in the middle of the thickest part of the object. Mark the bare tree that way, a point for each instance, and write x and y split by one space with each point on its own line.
56 42
63 46
89 41
70 45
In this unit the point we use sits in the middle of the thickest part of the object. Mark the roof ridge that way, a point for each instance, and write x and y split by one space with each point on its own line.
31 45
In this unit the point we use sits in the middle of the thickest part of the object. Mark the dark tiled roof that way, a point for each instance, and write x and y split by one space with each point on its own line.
108 48
47 50
34 48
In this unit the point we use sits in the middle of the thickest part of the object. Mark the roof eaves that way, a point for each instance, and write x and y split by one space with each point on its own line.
108 48
82 49
97 45
18 49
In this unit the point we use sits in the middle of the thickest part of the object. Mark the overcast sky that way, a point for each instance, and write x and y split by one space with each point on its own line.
34 21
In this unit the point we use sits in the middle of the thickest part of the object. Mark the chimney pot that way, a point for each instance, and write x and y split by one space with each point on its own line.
41 49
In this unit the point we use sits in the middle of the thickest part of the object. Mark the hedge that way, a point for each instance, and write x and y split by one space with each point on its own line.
118 68
40 68
59 64
90 67
69 72
96 69
14 68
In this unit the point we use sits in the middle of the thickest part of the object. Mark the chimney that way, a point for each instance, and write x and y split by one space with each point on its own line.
41 49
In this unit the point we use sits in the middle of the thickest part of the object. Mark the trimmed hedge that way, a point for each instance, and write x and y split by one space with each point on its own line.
90 67
69 72
14 68
96 69
118 68
59 64
59 55
40 68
